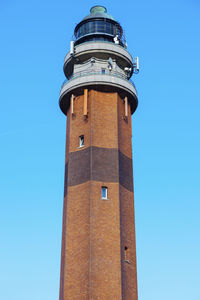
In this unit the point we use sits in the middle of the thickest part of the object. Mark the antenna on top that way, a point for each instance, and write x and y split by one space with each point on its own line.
72 48
136 65
110 63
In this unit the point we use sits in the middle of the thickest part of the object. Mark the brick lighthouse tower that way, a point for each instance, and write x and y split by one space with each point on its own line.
98 259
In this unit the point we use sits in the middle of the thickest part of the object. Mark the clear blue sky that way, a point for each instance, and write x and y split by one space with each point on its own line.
34 38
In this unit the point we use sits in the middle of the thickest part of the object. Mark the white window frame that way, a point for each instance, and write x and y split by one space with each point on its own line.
104 188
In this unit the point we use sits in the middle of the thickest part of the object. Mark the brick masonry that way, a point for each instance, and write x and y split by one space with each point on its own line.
94 163
96 231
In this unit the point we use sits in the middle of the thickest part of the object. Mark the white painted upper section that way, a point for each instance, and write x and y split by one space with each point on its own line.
101 47
96 65
98 79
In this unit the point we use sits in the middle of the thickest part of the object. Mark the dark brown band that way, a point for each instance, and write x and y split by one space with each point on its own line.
125 171
66 180
99 164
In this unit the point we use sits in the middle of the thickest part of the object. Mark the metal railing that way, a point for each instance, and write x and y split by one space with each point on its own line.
97 41
90 72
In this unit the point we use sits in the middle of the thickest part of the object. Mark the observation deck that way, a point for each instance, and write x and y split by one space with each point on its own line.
110 82
98 49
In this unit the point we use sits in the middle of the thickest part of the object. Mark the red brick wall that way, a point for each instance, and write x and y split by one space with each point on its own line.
95 231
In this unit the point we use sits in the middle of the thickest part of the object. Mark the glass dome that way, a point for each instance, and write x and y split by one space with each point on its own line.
99 26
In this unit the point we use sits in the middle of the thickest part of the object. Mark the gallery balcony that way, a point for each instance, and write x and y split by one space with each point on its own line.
111 82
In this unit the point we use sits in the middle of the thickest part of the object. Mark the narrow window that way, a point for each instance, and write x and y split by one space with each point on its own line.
126 258
104 192
81 141
103 71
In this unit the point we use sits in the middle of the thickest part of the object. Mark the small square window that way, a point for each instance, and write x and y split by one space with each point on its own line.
103 71
81 141
104 192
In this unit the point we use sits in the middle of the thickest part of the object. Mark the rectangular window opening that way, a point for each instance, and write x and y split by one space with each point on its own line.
126 255
104 192
81 141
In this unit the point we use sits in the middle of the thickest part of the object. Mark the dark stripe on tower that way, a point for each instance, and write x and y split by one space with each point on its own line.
125 171
108 165
66 180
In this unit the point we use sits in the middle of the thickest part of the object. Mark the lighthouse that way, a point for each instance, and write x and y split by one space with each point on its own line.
98 256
